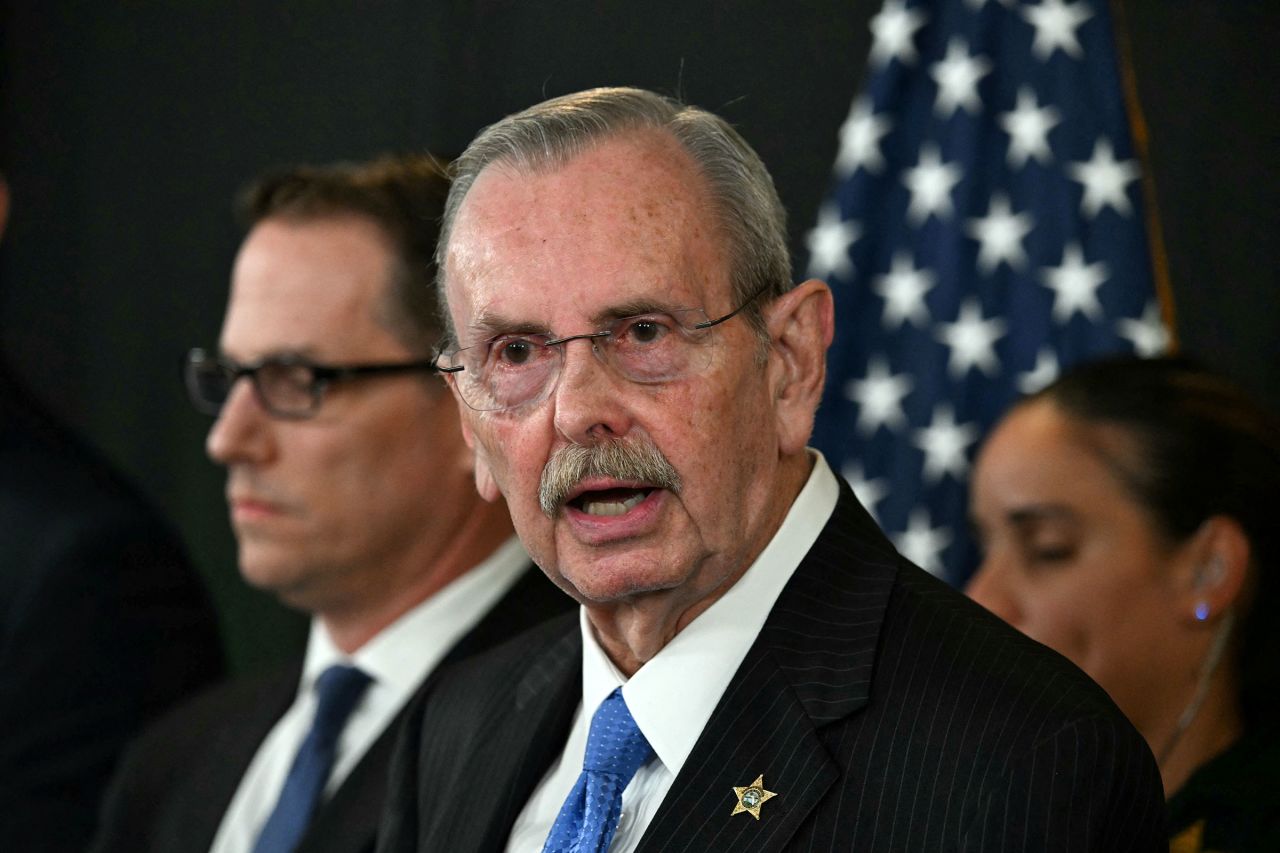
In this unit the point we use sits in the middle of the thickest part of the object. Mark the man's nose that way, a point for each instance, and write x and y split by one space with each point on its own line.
242 431
590 396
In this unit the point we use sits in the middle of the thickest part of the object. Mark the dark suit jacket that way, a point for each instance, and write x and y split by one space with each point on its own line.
176 783
104 624
887 712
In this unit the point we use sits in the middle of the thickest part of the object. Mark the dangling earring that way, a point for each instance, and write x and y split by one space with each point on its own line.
1202 611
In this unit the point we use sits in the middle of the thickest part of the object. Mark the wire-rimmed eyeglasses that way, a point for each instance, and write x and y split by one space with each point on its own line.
513 370
285 386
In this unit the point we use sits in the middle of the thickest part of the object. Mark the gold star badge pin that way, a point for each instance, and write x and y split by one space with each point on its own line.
752 797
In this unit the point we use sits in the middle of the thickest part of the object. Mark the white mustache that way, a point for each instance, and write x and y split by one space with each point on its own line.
634 461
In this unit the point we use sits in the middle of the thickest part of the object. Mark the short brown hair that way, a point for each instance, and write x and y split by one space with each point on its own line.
403 195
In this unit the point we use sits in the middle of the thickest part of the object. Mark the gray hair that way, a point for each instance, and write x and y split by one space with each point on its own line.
550 134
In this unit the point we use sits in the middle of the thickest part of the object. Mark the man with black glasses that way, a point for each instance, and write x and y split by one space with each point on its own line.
753 667
349 489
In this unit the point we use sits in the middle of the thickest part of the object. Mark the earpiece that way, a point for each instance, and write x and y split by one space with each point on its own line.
1208 575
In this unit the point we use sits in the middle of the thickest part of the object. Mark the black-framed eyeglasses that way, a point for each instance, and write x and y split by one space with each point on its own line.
513 370
286 386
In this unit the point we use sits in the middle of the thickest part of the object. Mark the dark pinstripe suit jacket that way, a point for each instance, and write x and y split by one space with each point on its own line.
176 782
887 711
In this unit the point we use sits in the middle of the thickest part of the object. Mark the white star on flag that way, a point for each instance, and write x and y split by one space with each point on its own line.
930 183
1028 126
972 340
1045 371
894 30
1056 23
879 397
945 444
1075 285
1105 180
957 76
1000 232
903 289
922 543
860 140
829 243
1148 333
978 161
869 492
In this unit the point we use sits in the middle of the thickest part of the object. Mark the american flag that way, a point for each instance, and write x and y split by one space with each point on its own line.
986 229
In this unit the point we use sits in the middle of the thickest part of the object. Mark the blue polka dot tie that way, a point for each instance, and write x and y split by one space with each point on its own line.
338 691
615 750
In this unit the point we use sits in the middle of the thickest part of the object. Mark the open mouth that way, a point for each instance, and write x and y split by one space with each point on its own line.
609 501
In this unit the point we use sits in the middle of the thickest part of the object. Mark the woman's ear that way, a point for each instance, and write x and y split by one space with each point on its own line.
1216 572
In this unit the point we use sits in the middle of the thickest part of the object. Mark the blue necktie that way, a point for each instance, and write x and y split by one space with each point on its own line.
339 689
615 750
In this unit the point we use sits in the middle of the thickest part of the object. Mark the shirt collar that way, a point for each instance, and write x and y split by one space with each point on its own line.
673 695
401 655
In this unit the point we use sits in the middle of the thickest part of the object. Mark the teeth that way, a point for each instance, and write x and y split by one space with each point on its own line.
612 507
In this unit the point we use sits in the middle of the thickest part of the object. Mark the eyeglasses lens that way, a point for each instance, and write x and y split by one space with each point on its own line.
514 372
208 384
288 389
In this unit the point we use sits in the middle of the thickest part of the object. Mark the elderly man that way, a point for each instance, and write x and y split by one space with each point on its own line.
753 666
349 486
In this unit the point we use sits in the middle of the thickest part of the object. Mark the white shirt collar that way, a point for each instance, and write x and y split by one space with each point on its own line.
672 696
400 655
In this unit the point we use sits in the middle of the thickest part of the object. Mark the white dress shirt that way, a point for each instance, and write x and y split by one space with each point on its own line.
398 660
672 696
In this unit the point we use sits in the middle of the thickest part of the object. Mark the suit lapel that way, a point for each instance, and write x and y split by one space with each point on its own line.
545 702
758 729
228 750
525 734
811 666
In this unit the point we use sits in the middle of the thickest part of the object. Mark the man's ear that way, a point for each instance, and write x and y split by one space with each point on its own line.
801 325
1215 572
486 485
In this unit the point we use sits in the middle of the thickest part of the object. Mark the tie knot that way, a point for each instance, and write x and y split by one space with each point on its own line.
615 743
338 690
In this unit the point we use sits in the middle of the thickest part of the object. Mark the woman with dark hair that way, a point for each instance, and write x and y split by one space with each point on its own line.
1128 517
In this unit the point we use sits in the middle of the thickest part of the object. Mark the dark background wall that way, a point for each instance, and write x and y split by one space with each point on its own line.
128 128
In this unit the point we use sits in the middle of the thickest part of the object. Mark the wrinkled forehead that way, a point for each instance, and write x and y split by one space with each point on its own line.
628 221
